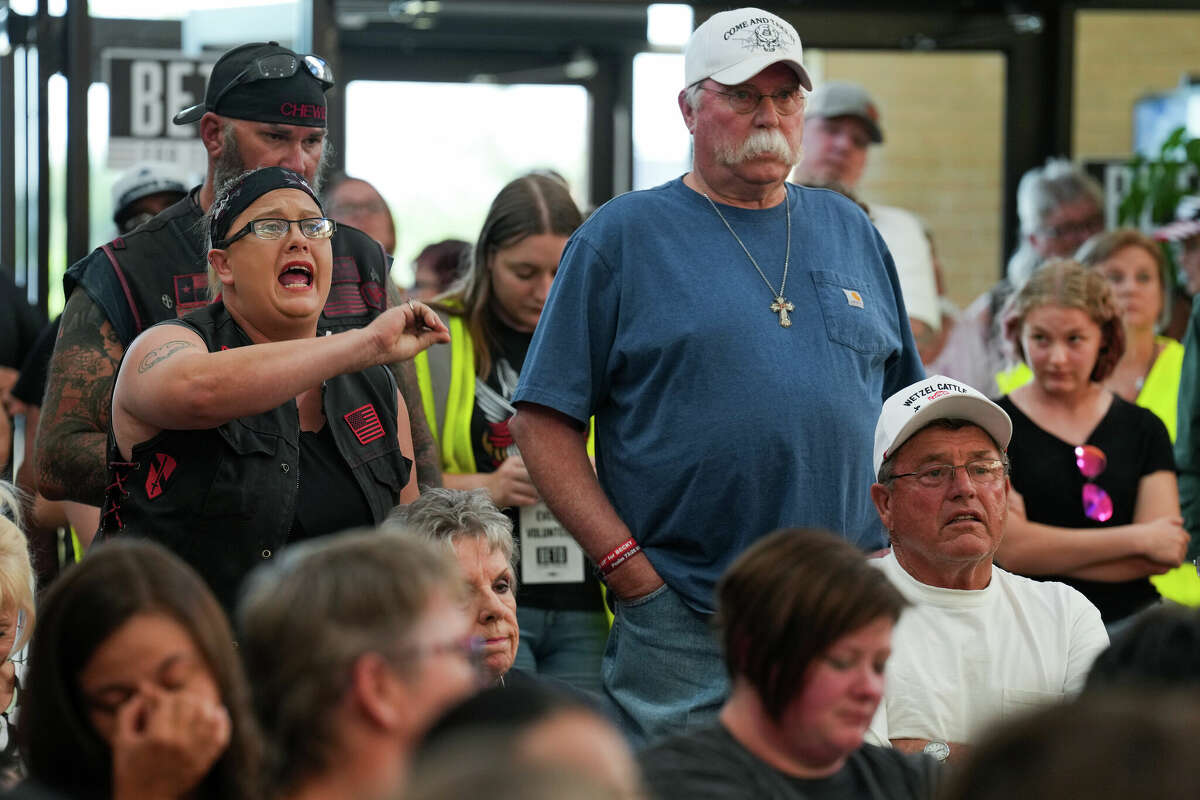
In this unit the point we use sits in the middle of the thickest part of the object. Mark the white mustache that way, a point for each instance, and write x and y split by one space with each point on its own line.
767 141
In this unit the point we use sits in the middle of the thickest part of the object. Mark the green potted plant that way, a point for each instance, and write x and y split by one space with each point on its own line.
1156 185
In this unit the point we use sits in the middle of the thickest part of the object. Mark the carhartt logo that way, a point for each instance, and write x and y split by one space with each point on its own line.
162 466
365 424
853 298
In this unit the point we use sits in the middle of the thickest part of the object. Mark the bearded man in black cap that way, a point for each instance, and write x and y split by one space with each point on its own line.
264 106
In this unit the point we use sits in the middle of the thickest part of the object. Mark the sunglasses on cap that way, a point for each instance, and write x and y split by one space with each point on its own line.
277 66
1097 505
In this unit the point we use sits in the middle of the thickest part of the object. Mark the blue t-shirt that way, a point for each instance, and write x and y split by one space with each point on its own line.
714 424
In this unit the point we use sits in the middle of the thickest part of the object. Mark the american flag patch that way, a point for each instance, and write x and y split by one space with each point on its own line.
365 424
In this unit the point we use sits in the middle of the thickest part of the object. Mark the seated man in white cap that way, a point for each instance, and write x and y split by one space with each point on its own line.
978 643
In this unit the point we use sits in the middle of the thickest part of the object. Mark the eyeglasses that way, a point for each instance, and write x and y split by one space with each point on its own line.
271 228
469 648
982 472
276 66
1082 229
1097 505
745 100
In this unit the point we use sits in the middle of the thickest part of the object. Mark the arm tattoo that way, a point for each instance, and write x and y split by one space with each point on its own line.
429 468
425 452
162 353
72 435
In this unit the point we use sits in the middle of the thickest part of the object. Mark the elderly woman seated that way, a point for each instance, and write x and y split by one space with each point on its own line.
806 626
480 536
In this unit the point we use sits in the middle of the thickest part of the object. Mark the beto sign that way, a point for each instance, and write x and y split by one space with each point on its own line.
145 89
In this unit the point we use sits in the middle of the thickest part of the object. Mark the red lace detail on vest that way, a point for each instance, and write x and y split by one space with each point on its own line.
116 491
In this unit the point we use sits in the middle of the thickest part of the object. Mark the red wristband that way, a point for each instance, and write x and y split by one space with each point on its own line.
619 555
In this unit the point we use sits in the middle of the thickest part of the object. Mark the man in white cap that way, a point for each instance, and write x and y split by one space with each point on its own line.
842 123
979 643
733 336
143 191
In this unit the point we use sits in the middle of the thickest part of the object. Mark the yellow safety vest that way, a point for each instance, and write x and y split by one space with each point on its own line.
1159 394
446 374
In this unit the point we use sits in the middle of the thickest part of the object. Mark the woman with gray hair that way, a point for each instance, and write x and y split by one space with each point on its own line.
468 524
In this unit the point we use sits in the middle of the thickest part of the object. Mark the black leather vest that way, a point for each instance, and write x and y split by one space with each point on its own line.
158 272
224 499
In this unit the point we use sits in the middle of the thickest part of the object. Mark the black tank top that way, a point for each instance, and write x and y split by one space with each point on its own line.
329 500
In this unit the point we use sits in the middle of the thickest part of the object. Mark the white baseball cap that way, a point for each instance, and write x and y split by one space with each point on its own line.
734 46
913 407
142 181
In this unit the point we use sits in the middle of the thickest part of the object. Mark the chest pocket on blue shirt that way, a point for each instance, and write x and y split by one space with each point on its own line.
849 309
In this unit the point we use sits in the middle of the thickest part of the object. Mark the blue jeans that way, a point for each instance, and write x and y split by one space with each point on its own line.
662 668
567 645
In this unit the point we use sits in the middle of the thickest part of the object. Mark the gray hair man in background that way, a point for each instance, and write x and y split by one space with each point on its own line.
1060 207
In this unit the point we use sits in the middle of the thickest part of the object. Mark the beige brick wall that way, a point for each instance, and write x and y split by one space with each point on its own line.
943 154
1120 56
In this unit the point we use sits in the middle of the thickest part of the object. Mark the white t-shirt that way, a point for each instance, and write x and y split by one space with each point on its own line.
905 239
963 659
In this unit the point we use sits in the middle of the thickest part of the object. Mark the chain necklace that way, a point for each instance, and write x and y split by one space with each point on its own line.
780 305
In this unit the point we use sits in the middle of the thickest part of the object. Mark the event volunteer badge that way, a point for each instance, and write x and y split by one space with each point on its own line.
548 553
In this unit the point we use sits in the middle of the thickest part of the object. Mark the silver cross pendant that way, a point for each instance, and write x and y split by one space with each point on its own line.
781 307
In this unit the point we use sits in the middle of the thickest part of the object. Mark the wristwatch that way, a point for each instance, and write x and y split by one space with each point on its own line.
938 749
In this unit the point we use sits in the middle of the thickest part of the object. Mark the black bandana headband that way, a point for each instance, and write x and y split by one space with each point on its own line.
240 193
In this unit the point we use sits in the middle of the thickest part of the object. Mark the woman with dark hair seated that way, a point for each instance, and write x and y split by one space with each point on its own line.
806 627
235 426
135 689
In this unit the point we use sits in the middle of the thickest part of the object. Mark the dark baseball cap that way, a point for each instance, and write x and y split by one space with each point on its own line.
265 82
844 99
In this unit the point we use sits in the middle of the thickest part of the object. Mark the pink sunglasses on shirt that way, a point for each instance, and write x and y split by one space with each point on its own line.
1097 505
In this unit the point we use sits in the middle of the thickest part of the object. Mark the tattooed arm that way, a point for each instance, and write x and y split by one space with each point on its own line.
72 433
170 381
426 458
